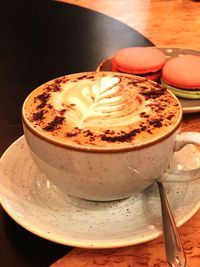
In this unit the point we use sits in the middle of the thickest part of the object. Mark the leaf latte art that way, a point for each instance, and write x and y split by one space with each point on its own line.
102 109
102 104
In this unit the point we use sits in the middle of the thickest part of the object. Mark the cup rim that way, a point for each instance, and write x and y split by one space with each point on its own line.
97 149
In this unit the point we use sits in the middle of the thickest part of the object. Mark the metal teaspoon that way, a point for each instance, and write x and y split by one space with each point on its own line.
174 251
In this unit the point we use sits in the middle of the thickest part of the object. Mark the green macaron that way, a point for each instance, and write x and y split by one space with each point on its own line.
190 94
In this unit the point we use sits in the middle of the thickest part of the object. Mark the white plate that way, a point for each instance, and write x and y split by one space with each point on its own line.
37 205
188 105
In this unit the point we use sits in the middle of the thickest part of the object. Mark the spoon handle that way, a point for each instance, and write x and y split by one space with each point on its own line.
175 253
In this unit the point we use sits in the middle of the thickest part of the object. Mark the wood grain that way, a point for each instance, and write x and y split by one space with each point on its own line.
166 23
191 122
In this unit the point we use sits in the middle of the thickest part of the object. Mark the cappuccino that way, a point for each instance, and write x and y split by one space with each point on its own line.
101 110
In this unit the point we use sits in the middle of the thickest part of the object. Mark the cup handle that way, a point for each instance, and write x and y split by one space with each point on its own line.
183 176
186 138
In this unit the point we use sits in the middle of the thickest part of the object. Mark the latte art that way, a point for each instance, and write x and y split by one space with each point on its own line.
101 110
93 105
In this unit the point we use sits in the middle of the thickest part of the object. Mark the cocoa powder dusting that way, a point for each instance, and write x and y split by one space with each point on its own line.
153 93
62 112
54 125
157 123
121 138
50 106
37 116
134 82
55 87
169 117
71 134
43 98
88 133
144 115
82 77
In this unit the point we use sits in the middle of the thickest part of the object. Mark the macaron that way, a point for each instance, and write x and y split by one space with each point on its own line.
181 75
142 61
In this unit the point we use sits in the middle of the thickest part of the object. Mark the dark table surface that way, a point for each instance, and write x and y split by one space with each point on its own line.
41 40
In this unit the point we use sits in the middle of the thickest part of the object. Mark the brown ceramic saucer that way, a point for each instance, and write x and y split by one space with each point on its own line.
188 105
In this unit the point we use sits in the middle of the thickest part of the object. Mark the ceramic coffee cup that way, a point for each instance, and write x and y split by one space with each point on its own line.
104 136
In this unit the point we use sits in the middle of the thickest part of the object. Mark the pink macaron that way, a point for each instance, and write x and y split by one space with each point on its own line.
181 75
183 72
142 61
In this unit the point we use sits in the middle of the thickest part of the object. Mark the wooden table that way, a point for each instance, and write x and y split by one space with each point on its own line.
165 23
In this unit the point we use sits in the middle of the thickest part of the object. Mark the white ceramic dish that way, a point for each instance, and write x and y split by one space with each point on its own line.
38 206
188 105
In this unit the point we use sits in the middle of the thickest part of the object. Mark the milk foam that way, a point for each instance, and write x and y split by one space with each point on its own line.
101 109
101 104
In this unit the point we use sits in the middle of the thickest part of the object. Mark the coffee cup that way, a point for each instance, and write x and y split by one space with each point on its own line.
103 136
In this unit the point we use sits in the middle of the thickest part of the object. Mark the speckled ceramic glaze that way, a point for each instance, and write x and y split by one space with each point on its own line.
42 208
107 175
